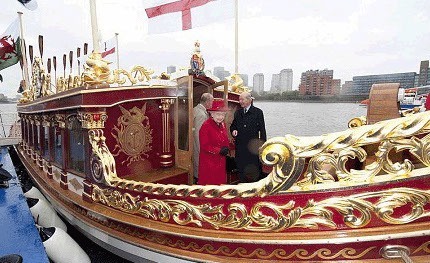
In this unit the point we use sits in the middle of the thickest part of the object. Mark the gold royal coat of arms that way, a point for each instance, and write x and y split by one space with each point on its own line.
133 134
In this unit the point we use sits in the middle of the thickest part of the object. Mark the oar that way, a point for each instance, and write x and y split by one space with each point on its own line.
30 53
49 65
78 55
71 61
54 61
41 46
64 65
85 48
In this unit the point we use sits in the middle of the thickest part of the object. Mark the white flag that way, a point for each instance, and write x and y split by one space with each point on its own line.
108 47
170 16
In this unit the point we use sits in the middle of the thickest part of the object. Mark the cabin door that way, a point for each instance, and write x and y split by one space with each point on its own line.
189 93
184 125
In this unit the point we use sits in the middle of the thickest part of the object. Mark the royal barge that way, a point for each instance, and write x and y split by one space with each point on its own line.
111 151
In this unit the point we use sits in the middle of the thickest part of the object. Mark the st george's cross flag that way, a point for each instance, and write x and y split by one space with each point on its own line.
29 4
108 47
170 16
10 51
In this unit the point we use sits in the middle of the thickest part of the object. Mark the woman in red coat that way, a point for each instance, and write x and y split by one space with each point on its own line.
213 146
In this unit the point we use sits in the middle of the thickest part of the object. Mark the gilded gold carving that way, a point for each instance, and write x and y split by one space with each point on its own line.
357 122
235 83
60 120
96 70
40 82
133 134
61 84
46 120
329 153
287 156
92 120
38 120
346 253
165 104
356 210
102 162
140 74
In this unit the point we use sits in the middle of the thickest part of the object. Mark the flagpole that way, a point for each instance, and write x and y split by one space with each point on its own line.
117 50
94 27
236 36
23 52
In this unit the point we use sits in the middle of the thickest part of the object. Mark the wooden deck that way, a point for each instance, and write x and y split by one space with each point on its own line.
171 175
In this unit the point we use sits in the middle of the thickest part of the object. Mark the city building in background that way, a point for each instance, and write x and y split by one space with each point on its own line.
221 73
244 77
282 82
258 83
423 77
275 84
318 82
286 80
361 84
346 87
171 69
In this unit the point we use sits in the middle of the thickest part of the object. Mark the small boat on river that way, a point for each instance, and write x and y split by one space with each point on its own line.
111 151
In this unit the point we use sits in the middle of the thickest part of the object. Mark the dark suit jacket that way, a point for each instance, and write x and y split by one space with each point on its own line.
251 134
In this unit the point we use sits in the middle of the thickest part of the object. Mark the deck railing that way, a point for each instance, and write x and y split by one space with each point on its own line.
10 128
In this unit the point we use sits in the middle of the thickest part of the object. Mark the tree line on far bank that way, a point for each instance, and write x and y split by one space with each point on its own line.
295 96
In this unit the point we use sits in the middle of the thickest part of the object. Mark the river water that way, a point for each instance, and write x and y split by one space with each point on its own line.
296 118
307 119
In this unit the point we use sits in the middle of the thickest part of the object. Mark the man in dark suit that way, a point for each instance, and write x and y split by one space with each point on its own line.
249 131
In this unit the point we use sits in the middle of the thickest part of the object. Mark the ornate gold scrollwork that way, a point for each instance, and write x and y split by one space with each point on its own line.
140 74
102 163
287 156
332 151
356 210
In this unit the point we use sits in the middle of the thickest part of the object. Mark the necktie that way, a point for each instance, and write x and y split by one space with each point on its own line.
245 110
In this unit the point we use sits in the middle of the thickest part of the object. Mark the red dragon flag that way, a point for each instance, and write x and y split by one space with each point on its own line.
29 4
108 47
10 50
170 16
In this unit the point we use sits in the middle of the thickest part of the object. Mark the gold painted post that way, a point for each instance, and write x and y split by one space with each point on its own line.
166 155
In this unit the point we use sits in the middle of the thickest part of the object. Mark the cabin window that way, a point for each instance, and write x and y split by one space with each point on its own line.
58 151
41 139
29 132
46 142
183 121
76 146
36 137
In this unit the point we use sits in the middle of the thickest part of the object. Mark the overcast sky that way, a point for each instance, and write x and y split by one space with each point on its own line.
351 37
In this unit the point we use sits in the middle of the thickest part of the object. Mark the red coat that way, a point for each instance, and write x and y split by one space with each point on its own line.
212 168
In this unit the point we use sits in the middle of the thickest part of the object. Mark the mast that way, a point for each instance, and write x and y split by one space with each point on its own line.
236 36
94 27
24 54
117 50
